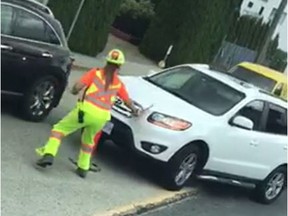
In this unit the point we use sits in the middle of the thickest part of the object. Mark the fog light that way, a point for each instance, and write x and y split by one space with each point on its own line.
153 148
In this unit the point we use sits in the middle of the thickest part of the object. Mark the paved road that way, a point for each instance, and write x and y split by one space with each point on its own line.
222 200
59 192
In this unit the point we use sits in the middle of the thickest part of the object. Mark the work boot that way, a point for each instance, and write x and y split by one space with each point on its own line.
46 160
81 172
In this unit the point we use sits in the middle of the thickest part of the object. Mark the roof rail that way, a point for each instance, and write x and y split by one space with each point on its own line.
42 7
272 95
216 67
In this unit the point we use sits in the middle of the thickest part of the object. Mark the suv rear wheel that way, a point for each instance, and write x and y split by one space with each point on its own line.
271 188
181 167
40 98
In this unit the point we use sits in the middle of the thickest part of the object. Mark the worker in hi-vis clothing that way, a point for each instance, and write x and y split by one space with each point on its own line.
101 86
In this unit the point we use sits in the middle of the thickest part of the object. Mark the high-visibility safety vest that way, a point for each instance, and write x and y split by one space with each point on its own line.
98 100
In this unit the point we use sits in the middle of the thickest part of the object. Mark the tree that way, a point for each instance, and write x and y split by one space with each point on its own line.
93 25
194 28
248 32
134 17
279 60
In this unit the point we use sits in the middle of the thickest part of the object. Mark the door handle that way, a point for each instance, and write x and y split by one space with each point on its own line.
47 55
254 143
285 148
6 47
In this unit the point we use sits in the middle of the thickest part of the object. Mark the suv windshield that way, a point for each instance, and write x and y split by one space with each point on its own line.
254 78
198 89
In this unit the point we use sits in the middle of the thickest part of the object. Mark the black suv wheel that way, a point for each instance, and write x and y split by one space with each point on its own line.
40 98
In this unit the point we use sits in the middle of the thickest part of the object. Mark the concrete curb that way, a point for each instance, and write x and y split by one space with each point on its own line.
141 207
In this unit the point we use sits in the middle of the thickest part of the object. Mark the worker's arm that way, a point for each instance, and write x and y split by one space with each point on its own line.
84 82
78 86
123 94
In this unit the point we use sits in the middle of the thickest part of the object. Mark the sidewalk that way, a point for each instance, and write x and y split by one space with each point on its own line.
137 63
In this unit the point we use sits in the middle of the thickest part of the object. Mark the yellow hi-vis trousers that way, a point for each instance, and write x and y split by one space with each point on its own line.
69 124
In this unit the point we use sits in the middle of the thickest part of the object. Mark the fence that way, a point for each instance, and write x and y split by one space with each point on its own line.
231 54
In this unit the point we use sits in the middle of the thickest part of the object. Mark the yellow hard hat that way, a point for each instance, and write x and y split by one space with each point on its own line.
116 56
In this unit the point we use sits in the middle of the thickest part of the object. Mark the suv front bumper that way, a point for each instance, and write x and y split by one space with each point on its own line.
145 138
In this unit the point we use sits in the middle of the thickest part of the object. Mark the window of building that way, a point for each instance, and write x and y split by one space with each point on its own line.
250 4
261 10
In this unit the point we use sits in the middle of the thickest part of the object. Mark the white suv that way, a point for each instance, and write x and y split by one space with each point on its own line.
201 121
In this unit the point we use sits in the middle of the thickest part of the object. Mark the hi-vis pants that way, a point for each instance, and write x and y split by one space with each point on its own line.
92 125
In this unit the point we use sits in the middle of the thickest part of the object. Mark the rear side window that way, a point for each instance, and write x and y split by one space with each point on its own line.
6 19
254 112
29 26
276 120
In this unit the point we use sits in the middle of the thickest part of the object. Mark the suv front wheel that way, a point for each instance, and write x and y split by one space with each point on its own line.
181 167
271 188
39 100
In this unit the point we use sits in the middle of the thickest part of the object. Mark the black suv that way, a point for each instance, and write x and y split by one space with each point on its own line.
35 58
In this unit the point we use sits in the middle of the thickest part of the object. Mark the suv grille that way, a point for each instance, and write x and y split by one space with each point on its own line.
121 108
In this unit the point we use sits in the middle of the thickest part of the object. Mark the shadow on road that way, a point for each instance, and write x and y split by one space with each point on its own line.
110 156
10 106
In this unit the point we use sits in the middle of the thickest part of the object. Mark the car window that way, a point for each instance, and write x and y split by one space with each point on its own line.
254 78
199 89
30 26
6 19
174 78
276 120
253 111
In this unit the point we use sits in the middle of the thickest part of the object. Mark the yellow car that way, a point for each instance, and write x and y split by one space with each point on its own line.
263 77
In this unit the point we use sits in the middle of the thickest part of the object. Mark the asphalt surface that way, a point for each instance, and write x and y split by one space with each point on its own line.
215 199
123 179
58 191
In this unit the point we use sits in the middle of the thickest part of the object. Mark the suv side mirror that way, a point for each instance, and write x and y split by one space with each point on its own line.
242 122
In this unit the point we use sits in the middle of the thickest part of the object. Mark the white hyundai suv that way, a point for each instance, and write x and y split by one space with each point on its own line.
203 122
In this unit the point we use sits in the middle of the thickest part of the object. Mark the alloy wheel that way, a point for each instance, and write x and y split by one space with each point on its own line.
186 169
42 98
275 185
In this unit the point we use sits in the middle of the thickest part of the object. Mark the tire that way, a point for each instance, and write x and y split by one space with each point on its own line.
175 178
39 99
260 193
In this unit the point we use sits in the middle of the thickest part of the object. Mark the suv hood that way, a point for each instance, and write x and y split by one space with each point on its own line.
147 94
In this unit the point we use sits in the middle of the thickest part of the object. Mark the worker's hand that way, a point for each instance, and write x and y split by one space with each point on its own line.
137 111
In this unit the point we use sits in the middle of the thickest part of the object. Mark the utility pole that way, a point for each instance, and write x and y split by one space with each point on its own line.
75 19
262 53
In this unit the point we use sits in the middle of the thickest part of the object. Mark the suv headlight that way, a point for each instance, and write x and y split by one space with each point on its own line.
168 122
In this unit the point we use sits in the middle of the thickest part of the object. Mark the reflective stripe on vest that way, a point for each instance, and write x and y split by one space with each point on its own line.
100 97
88 149
56 134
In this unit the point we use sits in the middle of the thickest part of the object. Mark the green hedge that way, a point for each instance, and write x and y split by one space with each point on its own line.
195 28
92 28
134 17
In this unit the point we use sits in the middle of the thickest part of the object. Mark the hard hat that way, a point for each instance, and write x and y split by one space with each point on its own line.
116 56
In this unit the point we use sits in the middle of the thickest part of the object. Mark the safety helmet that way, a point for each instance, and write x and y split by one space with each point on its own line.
116 56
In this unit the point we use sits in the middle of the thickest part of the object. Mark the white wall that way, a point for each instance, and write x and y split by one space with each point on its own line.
268 5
